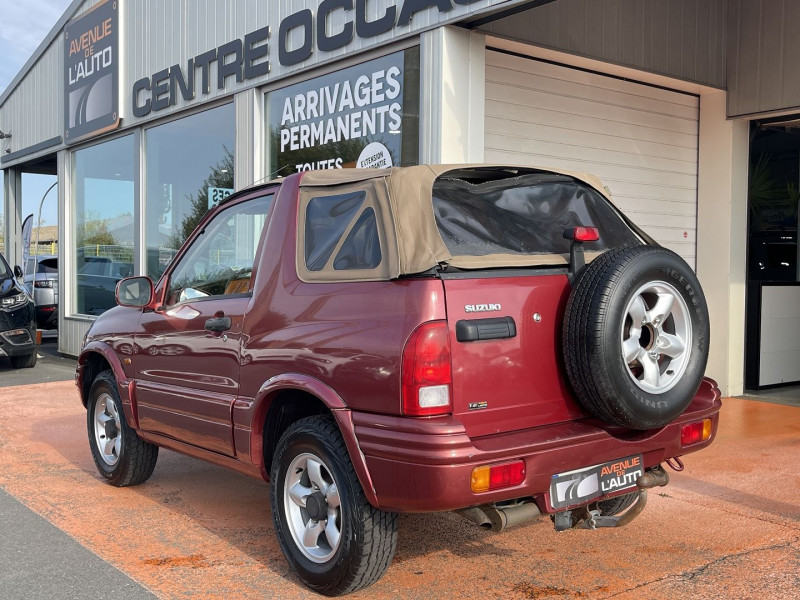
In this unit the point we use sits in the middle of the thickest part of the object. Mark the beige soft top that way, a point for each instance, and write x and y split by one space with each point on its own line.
410 239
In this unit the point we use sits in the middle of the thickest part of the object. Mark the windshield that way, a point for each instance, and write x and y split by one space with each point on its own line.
525 215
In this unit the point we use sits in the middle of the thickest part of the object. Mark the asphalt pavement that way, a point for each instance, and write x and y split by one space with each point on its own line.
727 527
50 365
38 561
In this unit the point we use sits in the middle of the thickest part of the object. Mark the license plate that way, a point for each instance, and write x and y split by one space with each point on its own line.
582 485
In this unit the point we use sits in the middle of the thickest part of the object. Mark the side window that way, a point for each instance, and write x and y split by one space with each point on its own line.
220 260
329 219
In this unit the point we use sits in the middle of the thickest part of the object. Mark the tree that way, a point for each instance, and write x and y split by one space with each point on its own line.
222 177
93 231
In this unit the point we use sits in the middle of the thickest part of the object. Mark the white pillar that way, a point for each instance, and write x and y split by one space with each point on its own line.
453 82
249 159
722 237
12 196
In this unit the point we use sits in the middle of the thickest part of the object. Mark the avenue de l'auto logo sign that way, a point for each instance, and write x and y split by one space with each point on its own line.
91 72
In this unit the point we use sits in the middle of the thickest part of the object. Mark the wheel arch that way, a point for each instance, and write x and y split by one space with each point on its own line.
285 399
96 358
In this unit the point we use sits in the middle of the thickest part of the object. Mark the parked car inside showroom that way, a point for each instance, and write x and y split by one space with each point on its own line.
41 281
17 318
498 341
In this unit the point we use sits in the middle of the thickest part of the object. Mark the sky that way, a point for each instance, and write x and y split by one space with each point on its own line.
23 26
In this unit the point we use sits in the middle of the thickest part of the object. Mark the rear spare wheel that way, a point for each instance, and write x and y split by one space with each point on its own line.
636 336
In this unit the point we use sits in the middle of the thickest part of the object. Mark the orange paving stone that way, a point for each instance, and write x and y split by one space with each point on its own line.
726 527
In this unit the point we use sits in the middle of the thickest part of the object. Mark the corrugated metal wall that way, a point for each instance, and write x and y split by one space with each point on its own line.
763 56
34 113
679 38
156 34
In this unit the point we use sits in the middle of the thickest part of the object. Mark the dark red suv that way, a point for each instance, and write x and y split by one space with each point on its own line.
499 341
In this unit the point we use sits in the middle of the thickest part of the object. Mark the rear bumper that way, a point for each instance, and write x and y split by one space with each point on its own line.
426 464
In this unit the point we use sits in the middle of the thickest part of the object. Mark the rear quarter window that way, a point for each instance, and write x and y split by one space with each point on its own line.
341 232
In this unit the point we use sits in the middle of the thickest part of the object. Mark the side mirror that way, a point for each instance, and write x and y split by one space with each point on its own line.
135 291
17 272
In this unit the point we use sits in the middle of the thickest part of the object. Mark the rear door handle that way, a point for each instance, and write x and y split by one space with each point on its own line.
218 324
474 330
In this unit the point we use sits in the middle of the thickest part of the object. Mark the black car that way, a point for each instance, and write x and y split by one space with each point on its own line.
17 319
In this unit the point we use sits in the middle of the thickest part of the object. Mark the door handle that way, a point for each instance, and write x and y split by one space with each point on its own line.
218 324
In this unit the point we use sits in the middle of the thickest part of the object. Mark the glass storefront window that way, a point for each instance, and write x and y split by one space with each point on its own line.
364 116
103 220
189 169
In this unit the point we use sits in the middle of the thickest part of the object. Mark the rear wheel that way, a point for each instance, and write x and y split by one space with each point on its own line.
122 457
334 540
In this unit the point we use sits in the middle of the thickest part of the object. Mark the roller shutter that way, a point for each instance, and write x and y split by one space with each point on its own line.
640 140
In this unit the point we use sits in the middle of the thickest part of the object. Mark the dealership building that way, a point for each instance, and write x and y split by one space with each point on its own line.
151 111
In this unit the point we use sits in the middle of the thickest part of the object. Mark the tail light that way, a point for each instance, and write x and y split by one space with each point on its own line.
427 371
497 476
696 432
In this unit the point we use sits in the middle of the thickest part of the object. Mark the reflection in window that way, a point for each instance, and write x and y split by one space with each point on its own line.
220 260
361 249
189 168
327 219
103 220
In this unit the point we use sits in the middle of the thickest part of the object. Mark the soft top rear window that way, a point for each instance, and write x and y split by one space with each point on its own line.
523 215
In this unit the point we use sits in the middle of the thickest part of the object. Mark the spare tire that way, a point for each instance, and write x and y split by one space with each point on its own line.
635 337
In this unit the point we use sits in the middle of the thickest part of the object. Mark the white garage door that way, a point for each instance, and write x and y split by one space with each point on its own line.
640 140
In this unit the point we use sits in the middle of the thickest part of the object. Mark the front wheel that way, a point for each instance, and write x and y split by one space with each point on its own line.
25 361
122 457
334 540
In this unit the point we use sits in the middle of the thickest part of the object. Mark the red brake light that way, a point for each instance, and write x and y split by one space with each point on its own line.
583 234
506 475
695 432
497 476
426 371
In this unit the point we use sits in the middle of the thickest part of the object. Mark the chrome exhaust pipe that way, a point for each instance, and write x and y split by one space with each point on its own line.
475 515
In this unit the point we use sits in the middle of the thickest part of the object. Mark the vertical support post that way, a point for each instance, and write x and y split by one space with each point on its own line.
12 187
453 81
249 158
722 237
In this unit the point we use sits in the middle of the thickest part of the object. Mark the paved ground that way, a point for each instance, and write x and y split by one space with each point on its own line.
727 527
38 560
50 366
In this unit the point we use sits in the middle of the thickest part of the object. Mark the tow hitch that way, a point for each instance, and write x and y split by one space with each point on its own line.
584 518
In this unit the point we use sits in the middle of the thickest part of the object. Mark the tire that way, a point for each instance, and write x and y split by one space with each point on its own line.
311 475
121 456
614 506
24 361
635 337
